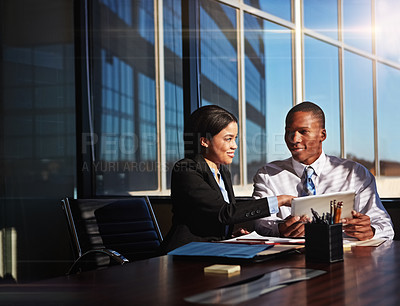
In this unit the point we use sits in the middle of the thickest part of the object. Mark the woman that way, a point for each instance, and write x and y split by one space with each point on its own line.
203 203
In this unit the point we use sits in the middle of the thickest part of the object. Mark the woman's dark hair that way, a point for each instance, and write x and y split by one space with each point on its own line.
307 107
206 121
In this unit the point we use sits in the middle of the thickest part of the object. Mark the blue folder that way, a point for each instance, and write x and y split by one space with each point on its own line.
219 250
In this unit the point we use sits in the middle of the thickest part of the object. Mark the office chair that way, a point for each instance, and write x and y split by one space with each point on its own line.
392 206
111 231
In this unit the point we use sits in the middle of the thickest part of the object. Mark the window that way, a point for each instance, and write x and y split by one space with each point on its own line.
357 24
124 97
218 62
388 29
280 8
359 110
321 16
268 79
37 135
388 120
173 85
254 58
321 78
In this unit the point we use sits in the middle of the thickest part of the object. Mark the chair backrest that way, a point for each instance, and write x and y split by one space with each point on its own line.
125 225
392 206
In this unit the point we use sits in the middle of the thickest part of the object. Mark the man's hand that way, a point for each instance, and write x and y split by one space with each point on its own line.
359 226
293 226
285 200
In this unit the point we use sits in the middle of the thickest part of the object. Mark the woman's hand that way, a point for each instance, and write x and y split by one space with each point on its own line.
285 200
240 232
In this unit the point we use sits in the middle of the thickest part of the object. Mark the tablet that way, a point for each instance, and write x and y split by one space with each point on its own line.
321 203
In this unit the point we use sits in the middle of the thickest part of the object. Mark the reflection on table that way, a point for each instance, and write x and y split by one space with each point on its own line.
367 275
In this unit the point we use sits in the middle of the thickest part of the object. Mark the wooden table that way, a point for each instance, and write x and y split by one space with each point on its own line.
367 276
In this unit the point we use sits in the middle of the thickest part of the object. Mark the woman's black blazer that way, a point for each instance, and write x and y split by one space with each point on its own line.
199 210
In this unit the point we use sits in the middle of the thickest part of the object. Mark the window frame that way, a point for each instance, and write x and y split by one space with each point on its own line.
191 93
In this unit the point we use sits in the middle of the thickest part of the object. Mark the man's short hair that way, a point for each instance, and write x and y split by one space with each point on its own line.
307 107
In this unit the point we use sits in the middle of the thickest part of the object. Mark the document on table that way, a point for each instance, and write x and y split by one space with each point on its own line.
280 245
370 242
253 237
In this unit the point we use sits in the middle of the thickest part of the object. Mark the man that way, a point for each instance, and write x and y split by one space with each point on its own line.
304 134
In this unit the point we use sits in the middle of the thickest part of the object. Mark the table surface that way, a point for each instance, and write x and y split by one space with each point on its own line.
366 276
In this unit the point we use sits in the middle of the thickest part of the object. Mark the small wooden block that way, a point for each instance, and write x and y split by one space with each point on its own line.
222 269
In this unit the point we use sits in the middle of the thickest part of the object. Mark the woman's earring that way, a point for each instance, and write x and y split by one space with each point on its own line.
203 143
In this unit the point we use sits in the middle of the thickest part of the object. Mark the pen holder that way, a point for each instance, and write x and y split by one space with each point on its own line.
324 242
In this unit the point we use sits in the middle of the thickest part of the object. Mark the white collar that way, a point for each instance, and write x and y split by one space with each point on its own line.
318 165
215 173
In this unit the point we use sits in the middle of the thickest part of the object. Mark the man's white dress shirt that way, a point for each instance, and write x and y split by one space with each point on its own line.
332 174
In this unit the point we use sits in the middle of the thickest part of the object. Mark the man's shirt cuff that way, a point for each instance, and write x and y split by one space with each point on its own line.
273 204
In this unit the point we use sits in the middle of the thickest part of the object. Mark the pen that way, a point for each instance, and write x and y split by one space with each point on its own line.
243 242
338 211
316 216
285 243
251 239
328 218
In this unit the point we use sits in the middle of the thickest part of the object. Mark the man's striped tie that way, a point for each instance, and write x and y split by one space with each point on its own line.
309 184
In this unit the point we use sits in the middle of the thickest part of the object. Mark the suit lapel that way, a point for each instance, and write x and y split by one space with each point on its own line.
208 176
205 169
228 183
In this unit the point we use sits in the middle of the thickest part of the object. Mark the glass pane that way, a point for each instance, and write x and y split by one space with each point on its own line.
357 25
388 29
388 120
321 70
359 110
124 97
321 16
280 8
37 137
268 79
173 84
218 62
38 117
